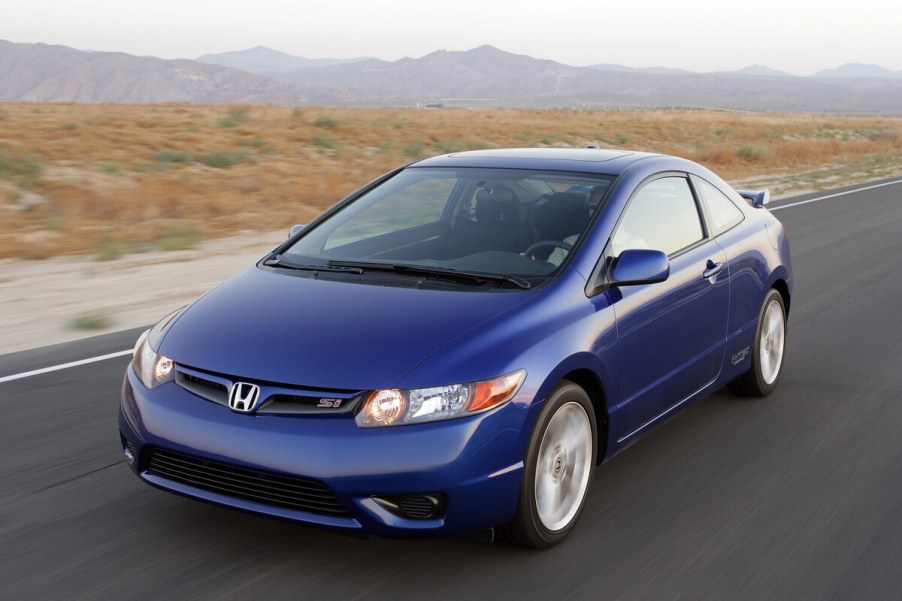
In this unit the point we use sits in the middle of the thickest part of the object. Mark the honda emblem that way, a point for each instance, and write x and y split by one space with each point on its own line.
243 397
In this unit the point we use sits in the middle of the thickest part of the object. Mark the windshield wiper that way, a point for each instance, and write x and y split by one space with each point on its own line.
474 277
280 261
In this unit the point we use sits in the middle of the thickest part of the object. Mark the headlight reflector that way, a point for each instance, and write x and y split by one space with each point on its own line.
401 407
152 369
386 406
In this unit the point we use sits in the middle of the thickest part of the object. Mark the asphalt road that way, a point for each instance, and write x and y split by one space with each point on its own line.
796 496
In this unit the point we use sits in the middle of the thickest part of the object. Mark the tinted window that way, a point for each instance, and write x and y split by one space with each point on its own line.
466 219
661 216
722 213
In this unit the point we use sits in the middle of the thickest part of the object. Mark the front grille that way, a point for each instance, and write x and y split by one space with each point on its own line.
318 404
203 387
282 399
279 490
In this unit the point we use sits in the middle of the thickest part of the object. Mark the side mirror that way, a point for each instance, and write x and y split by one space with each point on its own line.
639 266
758 198
296 229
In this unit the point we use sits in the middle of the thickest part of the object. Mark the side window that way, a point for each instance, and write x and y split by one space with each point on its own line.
419 203
661 216
722 213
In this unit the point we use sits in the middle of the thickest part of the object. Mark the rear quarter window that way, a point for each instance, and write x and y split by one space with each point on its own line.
722 213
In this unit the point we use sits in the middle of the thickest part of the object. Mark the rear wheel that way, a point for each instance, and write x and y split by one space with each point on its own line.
559 465
767 354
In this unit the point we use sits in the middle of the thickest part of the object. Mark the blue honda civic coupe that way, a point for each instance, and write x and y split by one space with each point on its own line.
457 345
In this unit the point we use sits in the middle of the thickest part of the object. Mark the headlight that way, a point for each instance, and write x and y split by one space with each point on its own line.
152 369
400 407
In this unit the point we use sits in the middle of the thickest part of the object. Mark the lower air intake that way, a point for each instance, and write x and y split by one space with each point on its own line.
279 490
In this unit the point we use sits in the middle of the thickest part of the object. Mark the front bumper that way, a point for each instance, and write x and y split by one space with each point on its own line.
475 462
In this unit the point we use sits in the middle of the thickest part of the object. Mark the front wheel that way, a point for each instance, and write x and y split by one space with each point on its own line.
767 354
559 464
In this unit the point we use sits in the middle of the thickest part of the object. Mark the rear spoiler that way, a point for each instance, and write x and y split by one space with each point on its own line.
758 199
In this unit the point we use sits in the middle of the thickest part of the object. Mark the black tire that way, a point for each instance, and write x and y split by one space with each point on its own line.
569 402
760 379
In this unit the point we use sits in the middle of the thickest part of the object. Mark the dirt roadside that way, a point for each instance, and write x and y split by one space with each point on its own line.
69 298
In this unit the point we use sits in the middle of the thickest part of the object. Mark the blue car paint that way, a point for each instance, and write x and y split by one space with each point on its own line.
469 459
328 334
647 361
655 369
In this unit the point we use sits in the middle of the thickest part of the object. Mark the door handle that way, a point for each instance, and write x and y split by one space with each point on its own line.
712 269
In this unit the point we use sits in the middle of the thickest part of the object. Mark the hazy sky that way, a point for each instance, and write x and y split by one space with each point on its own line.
701 35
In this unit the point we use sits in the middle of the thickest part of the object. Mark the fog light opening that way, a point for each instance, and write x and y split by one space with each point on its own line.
128 449
414 507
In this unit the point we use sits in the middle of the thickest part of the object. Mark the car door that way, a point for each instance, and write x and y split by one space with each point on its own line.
671 334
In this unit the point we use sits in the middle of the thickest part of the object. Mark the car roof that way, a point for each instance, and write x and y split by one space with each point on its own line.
591 160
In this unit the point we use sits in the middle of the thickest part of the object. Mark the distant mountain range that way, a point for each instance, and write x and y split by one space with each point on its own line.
266 60
484 76
758 71
856 70
45 73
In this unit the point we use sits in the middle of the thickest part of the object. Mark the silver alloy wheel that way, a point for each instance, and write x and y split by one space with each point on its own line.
563 466
770 345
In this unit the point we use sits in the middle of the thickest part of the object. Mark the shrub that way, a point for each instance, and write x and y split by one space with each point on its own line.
181 238
889 137
480 145
323 142
93 321
227 122
151 167
109 249
451 146
252 142
414 150
235 115
222 159
751 153
717 155
52 224
25 170
111 168
325 121
171 156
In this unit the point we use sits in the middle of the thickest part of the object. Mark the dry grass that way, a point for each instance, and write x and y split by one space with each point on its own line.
112 179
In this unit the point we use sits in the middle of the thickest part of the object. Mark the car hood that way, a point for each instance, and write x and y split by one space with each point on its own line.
280 327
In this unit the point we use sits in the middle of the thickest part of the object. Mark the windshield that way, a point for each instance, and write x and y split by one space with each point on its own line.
501 222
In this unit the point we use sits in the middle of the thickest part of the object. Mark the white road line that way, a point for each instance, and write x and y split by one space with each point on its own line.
44 370
804 202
